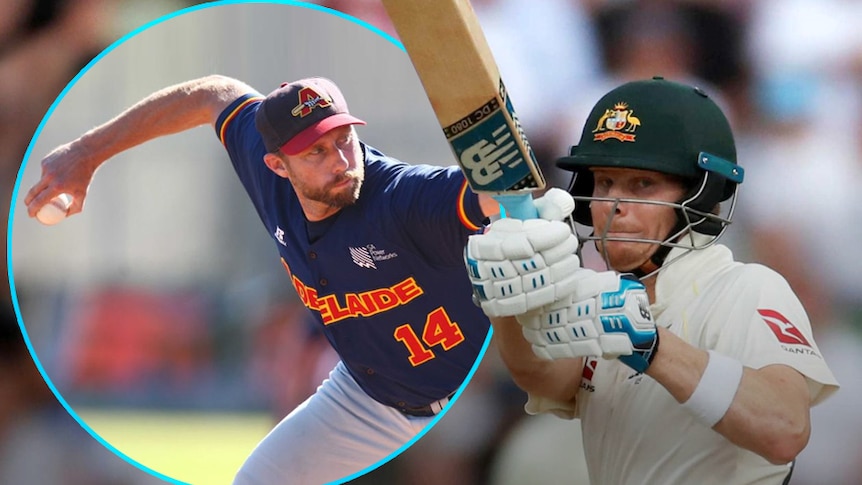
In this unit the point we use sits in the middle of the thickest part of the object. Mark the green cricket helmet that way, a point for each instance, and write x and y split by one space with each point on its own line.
665 127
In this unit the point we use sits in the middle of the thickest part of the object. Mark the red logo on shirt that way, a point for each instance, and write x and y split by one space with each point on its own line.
589 368
786 332
590 364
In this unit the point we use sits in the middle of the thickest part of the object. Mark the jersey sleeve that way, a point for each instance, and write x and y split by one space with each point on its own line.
236 131
766 324
438 210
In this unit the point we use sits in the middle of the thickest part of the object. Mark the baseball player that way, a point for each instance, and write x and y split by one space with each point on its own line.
373 246
683 365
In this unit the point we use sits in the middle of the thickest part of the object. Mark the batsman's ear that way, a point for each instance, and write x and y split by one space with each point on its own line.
276 164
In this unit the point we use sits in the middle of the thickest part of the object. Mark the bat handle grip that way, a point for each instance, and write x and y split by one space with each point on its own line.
517 206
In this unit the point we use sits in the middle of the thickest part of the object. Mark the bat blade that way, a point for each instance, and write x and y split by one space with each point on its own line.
460 76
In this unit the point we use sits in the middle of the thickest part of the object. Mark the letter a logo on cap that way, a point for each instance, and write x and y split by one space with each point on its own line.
308 100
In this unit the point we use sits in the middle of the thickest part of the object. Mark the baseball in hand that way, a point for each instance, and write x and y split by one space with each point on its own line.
55 210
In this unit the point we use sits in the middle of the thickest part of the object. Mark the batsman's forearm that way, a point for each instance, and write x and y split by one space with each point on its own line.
769 413
552 379
170 110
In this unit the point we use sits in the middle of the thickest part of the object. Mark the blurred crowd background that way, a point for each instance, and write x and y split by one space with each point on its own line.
787 72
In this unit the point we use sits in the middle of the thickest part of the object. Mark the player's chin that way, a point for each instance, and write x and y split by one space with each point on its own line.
625 256
345 194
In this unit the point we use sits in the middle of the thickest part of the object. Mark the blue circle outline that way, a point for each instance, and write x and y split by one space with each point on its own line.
14 199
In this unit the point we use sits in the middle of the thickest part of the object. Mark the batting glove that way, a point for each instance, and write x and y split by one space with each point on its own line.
517 266
607 315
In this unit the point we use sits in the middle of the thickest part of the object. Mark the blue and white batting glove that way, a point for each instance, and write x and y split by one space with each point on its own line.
517 266
607 315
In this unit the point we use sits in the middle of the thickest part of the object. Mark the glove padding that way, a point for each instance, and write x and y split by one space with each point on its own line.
607 315
517 266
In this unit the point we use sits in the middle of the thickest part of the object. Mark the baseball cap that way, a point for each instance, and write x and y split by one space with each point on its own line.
296 114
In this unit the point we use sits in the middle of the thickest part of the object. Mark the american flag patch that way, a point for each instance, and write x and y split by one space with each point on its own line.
362 258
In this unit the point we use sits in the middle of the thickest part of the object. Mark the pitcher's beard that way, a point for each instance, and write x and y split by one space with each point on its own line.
338 195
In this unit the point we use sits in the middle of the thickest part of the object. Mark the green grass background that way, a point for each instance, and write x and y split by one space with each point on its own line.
200 448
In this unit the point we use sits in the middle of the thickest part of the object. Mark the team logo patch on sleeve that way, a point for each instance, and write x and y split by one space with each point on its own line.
786 332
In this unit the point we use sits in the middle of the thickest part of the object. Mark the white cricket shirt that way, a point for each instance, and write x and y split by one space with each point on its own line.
634 430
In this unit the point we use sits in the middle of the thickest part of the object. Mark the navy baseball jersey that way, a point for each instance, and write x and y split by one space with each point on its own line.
384 277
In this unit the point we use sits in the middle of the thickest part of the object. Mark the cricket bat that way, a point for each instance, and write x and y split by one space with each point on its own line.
460 76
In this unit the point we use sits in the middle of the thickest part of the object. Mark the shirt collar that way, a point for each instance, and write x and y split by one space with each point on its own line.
688 271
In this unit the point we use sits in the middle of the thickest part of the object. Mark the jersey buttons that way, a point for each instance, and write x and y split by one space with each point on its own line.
312 255
323 282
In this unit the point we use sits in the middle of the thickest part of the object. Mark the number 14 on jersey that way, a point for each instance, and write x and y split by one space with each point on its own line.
439 329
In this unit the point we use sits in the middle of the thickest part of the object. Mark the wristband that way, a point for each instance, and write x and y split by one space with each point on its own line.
714 393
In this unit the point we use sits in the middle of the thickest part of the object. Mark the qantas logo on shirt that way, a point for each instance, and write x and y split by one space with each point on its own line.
587 376
786 332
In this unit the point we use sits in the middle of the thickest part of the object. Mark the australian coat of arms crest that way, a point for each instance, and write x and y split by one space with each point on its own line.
618 123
